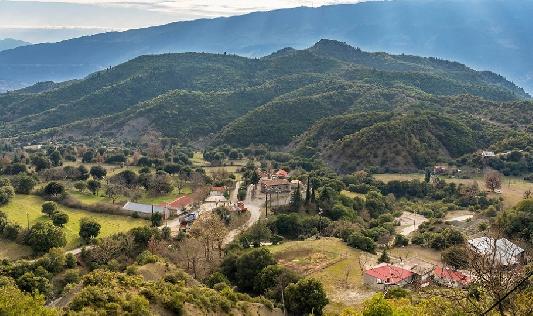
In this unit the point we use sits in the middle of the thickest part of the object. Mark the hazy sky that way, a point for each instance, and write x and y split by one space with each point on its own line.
54 20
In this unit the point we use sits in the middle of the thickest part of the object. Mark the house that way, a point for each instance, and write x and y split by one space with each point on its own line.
179 205
422 270
440 170
217 191
297 183
239 207
275 186
217 199
450 278
503 250
486 154
146 210
386 275
281 174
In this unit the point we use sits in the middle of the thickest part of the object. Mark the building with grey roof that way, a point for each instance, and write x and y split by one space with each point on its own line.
504 251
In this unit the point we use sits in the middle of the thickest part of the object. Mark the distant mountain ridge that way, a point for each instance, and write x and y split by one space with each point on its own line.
485 34
9 43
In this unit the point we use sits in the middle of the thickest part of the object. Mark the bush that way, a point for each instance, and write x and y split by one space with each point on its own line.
305 297
89 228
70 261
401 240
23 183
11 231
71 276
146 257
44 236
59 218
49 208
364 243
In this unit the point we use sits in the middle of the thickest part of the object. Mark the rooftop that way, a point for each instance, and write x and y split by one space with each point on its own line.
451 275
180 202
143 208
505 251
389 274
271 182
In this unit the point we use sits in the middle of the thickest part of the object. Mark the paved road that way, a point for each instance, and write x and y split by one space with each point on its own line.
254 207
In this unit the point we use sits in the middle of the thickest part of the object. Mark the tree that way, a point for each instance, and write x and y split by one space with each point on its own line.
31 283
6 194
493 180
307 296
89 229
113 191
427 175
377 306
259 232
249 265
55 158
54 189
40 163
13 302
23 183
98 172
59 218
49 208
94 186
88 156
456 257
156 219
274 279
401 240
80 186
384 257
296 199
43 236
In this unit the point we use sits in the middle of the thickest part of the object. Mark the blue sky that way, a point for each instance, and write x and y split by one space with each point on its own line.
54 20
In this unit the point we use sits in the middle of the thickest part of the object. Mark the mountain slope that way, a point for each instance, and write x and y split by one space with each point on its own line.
9 43
487 34
319 81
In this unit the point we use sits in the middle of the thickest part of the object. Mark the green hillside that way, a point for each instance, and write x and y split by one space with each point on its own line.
302 100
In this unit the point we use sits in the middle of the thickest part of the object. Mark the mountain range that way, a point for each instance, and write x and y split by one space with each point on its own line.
331 101
9 43
485 34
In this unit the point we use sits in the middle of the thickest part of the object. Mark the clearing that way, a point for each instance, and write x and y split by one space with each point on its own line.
332 262
28 207
513 188
409 222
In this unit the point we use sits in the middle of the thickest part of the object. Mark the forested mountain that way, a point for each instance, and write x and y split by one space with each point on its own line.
313 101
486 34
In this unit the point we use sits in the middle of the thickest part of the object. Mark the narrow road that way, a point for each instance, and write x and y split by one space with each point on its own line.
254 207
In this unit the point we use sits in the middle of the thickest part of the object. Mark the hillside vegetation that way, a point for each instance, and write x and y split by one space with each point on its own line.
313 101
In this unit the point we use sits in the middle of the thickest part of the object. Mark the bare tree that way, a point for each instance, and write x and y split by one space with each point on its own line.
493 180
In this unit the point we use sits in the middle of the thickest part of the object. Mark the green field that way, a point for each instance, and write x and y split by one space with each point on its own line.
513 188
12 250
24 207
332 262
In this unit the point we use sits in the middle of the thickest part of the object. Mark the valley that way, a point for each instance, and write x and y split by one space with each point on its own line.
319 181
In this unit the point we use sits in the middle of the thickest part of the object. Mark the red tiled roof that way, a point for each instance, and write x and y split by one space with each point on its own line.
219 189
180 202
271 182
282 173
389 274
451 275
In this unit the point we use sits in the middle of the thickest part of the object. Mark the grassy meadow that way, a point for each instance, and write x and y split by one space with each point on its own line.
28 207
332 262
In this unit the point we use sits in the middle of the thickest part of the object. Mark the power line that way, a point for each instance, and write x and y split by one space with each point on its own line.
508 293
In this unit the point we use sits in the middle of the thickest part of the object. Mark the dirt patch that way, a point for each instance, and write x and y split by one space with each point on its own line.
307 261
